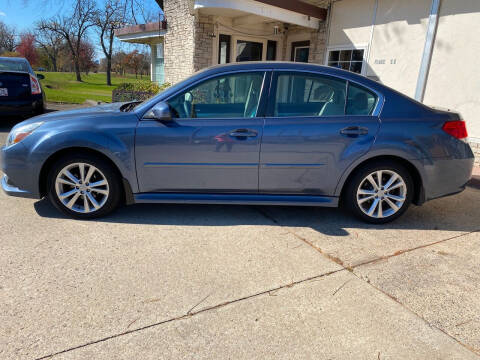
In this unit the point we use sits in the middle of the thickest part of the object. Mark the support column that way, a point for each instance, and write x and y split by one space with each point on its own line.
427 51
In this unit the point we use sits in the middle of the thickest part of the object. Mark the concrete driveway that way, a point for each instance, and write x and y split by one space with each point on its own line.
233 282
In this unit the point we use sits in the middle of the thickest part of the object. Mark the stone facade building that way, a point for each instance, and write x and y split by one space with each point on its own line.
426 49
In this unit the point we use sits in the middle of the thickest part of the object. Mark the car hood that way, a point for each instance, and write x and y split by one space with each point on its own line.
88 111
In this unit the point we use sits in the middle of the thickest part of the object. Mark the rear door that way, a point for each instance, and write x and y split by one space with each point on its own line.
212 144
312 132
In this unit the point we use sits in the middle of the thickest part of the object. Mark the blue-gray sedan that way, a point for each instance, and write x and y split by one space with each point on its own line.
249 133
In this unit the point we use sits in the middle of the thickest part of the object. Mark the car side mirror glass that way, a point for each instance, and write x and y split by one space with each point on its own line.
160 111
40 76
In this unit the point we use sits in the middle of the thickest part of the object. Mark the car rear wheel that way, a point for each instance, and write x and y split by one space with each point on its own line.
84 186
379 192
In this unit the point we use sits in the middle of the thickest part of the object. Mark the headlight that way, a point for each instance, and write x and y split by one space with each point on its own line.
21 132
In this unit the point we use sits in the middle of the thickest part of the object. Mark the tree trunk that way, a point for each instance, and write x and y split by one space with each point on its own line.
109 71
77 68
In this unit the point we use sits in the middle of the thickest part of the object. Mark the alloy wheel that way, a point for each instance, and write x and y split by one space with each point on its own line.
82 188
381 194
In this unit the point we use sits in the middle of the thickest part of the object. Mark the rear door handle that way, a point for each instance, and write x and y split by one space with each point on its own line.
243 133
354 131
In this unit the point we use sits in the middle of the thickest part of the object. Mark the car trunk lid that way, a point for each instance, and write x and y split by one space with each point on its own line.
14 85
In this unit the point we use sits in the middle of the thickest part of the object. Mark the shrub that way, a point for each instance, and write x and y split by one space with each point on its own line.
137 91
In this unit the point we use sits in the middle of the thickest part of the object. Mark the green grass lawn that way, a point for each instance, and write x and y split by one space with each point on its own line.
62 87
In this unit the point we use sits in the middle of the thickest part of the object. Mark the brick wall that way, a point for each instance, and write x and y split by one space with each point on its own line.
188 42
179 40
204 28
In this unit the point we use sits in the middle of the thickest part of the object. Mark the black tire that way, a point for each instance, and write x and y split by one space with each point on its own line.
115 190
349 196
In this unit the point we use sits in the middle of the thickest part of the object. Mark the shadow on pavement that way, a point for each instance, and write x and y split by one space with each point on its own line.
456 213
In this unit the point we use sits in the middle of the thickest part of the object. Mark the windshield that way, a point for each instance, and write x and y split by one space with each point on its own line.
13 65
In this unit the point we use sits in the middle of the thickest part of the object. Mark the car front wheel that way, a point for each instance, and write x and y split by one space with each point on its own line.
379 193
84 186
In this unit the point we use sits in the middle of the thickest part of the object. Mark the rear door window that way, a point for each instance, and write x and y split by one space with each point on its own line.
303 94
360 101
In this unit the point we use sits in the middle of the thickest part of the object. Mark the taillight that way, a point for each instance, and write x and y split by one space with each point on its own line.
35 85
457 129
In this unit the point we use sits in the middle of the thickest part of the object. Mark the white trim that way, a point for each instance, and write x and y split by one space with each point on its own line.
257 8
148 35
372 30
363 47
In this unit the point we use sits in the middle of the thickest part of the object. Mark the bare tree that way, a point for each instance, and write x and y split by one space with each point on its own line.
107 21
7 38
51 42
73 28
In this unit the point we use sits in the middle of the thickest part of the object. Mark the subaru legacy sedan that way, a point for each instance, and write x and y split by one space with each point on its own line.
270 133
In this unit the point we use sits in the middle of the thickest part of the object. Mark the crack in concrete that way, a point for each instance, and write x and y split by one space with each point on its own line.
400 252
191 314
397 253
271 292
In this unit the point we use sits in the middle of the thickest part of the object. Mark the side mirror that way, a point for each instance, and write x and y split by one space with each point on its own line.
40 76
161 112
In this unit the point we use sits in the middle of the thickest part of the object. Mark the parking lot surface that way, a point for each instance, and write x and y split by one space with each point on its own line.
239 282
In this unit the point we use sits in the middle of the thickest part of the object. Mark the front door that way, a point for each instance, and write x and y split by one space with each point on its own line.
212 145
313 131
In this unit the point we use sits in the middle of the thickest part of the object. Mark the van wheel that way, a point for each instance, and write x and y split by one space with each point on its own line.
84 186
379 192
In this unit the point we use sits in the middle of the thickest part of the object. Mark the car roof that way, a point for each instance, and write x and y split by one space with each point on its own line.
290 65
19 59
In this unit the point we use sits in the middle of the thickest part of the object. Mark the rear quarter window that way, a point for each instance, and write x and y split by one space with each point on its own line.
360 101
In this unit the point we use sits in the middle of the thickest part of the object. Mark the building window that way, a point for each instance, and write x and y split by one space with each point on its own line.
160 51
224 49
271 50
348 59
249 50
300 51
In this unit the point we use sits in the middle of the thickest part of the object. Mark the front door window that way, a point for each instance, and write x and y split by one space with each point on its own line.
227 96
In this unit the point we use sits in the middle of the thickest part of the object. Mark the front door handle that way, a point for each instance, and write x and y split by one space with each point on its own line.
354 131
243 133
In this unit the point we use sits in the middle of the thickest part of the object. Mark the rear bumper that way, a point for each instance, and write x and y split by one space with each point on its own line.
31 106
447 177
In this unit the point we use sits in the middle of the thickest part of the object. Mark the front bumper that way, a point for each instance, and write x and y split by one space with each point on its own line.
12 190
20 174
